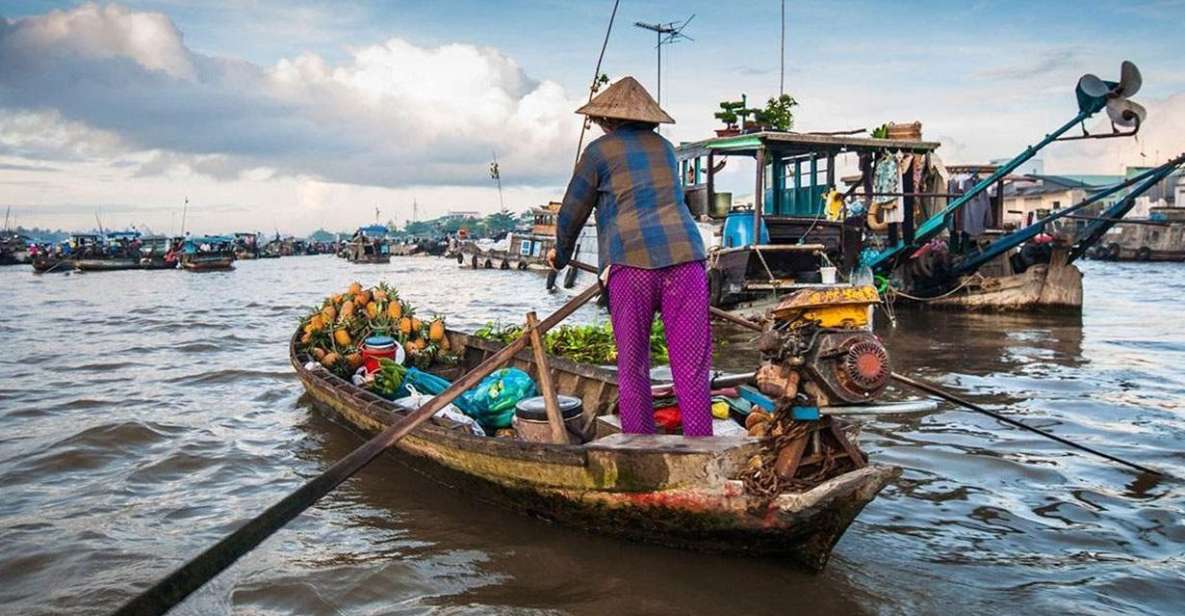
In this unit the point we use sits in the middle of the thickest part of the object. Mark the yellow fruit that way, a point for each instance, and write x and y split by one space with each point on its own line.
379 295
355 360
328 314
755 418
395 310
306 338
416 325
347 310
319 353
330 359
355 287
372 310
342 337
444 344
436 331
409 348
361 299
419 344
405 325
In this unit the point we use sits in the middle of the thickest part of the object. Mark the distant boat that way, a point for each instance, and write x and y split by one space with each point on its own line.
208 253
369 245
118 250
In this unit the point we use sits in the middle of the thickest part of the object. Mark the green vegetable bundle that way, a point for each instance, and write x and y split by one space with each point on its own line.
590 344
388 381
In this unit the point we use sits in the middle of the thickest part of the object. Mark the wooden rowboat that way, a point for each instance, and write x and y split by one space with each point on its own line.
208 262
661 489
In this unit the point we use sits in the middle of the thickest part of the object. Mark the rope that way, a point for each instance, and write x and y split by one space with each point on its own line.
592 87
977 277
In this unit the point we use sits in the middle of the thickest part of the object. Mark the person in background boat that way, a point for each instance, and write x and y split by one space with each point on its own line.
651 253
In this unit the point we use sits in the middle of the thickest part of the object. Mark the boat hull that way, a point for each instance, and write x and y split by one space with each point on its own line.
372 259
1041 288
51 266
663 494
106 265
208 264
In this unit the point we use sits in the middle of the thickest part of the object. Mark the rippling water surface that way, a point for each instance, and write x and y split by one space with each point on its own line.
145 414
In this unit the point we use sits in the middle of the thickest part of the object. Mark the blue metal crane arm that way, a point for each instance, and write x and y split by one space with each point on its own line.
1095 230
932 227
1016 238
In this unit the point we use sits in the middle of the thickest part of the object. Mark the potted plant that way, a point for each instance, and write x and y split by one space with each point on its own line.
729 115
776 116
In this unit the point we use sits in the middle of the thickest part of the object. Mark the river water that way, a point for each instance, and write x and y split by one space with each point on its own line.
145 414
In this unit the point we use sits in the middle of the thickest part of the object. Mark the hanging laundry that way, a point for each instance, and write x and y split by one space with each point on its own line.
936 181
977 212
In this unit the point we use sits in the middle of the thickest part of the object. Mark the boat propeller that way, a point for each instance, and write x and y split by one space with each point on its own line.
1095 94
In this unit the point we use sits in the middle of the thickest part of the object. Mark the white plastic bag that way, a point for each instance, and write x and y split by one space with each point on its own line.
417 399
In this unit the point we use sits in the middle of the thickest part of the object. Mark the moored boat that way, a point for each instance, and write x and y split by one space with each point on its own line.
208 253
369 245
47 263
158 252
665 489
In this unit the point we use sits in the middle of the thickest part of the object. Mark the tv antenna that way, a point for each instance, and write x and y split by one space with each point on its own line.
496 175
666 34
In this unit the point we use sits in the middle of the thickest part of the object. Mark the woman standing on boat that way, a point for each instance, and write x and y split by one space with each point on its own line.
651 253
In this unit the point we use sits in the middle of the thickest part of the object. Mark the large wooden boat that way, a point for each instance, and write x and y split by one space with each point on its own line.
662 489
1055 286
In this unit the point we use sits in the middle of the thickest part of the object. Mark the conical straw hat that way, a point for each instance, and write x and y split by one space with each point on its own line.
626 100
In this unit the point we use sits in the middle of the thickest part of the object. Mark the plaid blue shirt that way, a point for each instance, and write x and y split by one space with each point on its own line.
630 176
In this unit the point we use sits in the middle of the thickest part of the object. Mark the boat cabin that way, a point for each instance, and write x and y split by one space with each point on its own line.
801 219
369 245
544 219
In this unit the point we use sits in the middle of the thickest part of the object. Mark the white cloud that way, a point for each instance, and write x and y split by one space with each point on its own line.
391 114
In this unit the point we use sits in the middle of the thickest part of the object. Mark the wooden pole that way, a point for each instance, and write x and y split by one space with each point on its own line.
758 195
178 585
554 419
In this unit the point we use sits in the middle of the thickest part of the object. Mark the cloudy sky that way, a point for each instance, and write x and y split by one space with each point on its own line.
291 115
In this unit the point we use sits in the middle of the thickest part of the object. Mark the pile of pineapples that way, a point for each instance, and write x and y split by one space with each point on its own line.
333 333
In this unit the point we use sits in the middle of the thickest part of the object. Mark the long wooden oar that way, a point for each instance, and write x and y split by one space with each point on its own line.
173 589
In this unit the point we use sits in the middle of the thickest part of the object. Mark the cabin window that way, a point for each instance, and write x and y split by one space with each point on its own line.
1057 205
1155 236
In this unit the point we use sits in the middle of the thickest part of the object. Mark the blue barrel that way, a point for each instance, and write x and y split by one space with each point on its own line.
738 230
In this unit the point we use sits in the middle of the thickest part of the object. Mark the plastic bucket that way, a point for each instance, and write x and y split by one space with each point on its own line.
375 348
827 275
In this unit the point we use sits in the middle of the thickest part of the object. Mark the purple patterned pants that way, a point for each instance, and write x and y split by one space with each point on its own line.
680 292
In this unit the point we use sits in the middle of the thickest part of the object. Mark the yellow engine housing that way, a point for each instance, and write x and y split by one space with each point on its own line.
835 307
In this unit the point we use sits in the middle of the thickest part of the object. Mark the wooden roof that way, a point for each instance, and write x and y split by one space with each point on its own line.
786 143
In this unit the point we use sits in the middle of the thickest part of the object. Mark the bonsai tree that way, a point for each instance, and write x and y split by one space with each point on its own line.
729 112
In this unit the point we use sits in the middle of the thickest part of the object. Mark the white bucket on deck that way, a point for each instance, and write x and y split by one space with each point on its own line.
827 274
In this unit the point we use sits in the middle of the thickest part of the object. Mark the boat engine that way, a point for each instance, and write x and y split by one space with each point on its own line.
820 350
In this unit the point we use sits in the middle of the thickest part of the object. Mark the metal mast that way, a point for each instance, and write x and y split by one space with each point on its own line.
782 51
